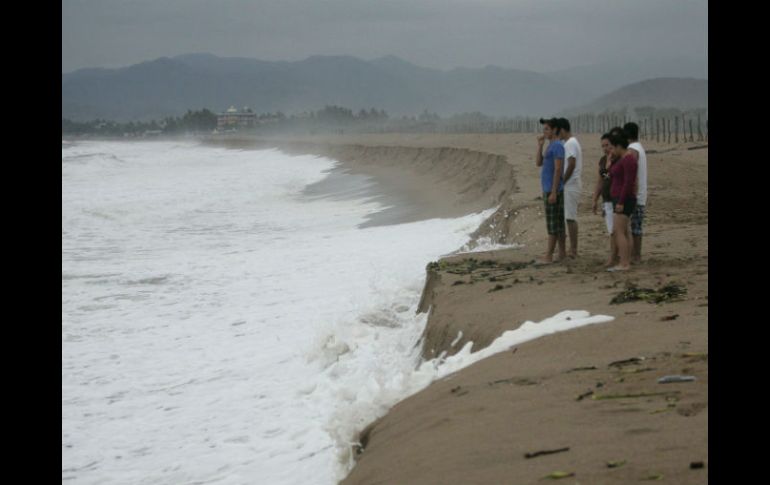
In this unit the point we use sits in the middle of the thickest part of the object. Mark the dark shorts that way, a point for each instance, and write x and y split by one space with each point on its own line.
554 214
628 207
637 219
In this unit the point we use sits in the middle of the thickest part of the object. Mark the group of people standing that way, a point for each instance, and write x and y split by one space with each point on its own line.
621 183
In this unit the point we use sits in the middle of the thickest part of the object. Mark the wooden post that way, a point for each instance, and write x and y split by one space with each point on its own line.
684 130
691 137
649 130
700 133
676 129
668 128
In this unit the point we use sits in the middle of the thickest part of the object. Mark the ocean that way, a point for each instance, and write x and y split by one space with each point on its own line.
225 317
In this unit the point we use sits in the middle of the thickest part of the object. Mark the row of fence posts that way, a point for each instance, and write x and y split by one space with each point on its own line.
661 130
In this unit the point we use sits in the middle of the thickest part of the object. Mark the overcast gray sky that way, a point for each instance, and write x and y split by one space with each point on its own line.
542 35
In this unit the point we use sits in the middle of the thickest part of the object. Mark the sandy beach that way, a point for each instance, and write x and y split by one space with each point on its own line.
589 397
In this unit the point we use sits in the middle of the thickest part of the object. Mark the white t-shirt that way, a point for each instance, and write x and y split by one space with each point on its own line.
641 173
572 149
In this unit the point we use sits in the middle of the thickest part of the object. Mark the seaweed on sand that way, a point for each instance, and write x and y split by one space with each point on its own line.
666 293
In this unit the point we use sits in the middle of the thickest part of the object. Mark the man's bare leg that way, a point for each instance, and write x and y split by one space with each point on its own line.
548 257
572 227
562 246
613 252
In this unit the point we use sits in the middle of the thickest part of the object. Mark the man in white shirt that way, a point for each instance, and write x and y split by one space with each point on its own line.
573 167
637 217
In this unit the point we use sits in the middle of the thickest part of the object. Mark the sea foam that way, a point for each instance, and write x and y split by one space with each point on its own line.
221 326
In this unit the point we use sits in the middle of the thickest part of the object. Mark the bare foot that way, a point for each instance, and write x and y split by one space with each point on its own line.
618 268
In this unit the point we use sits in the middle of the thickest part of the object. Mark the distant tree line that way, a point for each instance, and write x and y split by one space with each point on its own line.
203 121
662 125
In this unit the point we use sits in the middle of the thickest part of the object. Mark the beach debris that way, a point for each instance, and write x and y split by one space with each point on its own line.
544 452
558 475
661 410
584 395
578 369
696 356
669 317
457 339
525 382
631 361
670 404
695 465
653 477
602 397
692 409
667 293
616 464
675 378
636 371
496 288
458 282
459 391
519 381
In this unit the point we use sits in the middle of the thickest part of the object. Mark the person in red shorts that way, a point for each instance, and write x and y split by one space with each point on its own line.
623 193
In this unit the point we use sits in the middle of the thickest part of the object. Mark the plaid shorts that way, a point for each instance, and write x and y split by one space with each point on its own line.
637 218
554 214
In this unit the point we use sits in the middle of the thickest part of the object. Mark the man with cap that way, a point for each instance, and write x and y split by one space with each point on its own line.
552 164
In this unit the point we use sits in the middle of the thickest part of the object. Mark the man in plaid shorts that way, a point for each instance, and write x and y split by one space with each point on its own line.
552 164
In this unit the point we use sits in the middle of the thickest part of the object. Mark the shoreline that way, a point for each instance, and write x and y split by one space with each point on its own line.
475 426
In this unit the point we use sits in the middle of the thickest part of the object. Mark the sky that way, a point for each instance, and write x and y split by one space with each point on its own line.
542 36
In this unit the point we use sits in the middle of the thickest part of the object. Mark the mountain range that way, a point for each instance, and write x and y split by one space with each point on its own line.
171 86
660 93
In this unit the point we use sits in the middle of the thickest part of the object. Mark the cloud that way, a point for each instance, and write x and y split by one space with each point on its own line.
526 34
